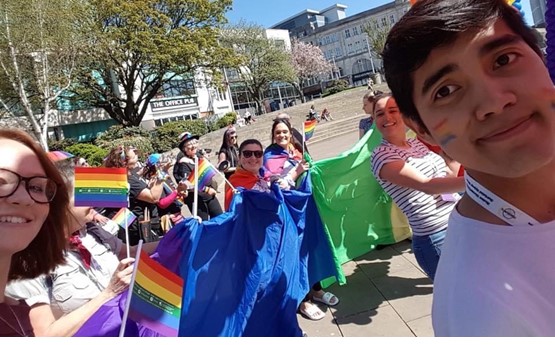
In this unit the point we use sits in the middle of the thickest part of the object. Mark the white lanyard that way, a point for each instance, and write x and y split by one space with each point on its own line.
494 204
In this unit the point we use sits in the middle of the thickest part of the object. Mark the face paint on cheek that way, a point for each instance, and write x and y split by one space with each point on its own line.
445 136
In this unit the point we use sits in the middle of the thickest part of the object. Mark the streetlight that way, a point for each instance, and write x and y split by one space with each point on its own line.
370 53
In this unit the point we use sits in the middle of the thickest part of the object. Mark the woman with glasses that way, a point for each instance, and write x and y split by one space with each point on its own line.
227 156
248 174
208 205
33 214
62 300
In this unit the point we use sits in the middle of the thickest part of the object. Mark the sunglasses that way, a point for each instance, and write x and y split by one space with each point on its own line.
248 154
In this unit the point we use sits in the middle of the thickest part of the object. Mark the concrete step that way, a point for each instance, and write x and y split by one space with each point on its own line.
346 105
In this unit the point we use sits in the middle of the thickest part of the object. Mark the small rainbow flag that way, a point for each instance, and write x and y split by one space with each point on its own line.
205 173
101 187
309 129
123 214
156 298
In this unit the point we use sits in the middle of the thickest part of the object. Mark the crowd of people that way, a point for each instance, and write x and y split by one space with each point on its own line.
478 92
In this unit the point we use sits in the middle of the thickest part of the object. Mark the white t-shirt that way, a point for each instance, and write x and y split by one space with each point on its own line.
495 280
70 285
427 214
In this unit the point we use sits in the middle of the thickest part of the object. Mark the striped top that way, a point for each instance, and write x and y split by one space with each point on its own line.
426 213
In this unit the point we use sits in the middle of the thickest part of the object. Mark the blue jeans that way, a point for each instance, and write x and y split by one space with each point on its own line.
427 250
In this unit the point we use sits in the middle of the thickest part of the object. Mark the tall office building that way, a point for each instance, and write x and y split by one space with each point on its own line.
538 12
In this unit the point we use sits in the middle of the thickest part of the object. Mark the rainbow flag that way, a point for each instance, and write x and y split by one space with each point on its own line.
205 174
309 129
101 187
156 299
123 214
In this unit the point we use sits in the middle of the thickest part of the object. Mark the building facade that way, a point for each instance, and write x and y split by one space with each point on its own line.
342 38
538 8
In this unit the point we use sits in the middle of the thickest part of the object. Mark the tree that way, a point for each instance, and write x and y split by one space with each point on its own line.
377 35
142 45
40 45
263 60
308 62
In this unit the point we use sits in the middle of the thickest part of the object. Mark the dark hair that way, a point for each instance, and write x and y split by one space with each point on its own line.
431 24
249 142
117 158
379 97
277 122
46 250
225 145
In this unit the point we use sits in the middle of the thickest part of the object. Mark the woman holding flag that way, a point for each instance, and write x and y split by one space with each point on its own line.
172 197
184 171
62 300
33 214
284 161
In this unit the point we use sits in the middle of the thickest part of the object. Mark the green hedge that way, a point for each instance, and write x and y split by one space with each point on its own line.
336 86
165 137
92 153
228 119
143 145
119 132
60 145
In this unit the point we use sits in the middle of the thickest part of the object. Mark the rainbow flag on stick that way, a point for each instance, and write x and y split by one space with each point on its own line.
101 187
155 300
122 215
205 174
308 127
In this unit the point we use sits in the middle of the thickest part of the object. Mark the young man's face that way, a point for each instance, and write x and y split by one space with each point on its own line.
488 101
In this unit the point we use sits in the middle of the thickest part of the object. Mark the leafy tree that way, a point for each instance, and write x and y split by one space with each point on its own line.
40 47
141 45
262 60
308 62
377 35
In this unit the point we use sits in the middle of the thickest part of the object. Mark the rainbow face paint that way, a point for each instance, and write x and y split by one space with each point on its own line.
445 136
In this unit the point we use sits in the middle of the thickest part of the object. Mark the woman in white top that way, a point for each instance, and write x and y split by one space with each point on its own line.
418 180
64 299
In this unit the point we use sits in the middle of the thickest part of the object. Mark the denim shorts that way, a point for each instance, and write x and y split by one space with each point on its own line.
427 250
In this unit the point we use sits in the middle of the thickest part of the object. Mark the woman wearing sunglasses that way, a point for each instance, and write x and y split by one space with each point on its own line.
227 157
248 175
33 215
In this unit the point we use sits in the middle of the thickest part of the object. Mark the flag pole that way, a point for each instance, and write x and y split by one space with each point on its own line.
195 197
223 176
131 285
126 235
304 137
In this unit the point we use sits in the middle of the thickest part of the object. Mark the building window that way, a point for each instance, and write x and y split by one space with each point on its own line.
176 88
384 21
392 19
355 31
338 52
347 33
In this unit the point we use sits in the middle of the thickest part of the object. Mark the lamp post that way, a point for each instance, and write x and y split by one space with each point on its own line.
370 53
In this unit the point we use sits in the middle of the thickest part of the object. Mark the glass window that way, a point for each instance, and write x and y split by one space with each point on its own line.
355 31
347 33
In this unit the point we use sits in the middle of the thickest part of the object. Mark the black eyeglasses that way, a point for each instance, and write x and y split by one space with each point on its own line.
41 189
248 153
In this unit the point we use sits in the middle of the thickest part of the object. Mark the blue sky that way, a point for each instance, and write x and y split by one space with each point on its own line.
268 13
